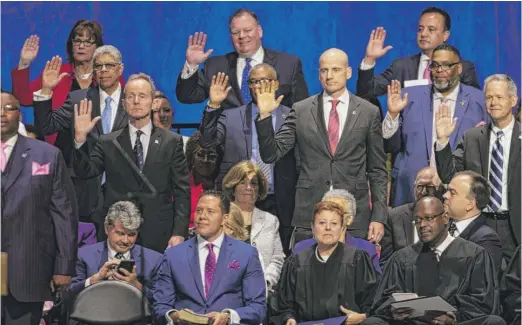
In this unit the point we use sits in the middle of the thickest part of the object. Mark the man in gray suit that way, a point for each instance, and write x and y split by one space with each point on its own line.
339 142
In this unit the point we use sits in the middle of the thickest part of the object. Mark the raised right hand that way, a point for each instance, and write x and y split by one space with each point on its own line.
29 51
196 49
375 48
396 102
291 321
444 123
51 74
266 101
219 89
82 120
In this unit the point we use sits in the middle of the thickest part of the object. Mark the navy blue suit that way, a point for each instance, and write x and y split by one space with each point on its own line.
238 284
412 142
92 257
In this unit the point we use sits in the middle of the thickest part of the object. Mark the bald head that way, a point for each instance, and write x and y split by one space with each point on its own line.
429 202
336 55
265 69
333 72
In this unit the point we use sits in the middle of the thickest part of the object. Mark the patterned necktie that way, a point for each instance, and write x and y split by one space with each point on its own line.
452 228
3 157
119 256
245 90
495 173
210 268
138 150
107 115
333 126
427 71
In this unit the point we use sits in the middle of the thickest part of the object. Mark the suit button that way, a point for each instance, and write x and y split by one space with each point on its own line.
206 306
328 183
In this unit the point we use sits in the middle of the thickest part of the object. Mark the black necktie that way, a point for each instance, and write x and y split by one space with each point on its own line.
452 228
119 256
138 150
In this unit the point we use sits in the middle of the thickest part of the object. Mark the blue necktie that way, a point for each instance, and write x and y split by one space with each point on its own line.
138 150
495 173
245 90
107 115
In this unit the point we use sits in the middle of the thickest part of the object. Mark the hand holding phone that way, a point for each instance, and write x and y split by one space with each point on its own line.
127 265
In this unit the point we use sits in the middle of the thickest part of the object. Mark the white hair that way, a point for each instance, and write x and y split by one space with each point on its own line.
107 49
127 213
348 198
512 87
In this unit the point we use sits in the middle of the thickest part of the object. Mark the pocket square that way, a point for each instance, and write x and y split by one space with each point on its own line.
233 265
40 169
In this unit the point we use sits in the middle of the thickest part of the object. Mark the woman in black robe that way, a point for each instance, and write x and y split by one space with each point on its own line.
327 280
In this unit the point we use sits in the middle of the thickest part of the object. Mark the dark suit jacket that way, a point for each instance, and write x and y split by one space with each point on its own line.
403 69
166 169
39 220
232 129
472 153
289 73
398 231
61 120
480 233
92 257
358 161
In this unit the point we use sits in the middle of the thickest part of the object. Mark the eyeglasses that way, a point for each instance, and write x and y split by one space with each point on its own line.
418 221
444 66
87 42
9 108
257 82
203 154
108 66
430 189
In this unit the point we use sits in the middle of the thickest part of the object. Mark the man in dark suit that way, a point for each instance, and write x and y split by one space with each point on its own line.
492 150
433 30
132 157
39 219
100 261
409 126
338 138
246 33
234 129
468 194
107 101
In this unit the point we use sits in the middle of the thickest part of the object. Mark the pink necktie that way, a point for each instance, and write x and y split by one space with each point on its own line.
333 126
3 157
210 268
427 72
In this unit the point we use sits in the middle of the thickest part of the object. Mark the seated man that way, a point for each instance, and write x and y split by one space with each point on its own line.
98 262
459 271
211 273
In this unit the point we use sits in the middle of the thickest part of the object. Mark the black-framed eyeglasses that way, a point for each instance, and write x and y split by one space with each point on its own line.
208 155
444 66
256 82
417 221
108 66
9 108
429 189
86 42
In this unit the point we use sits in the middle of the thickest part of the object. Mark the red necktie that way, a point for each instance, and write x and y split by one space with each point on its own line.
333 126
210 268
427 71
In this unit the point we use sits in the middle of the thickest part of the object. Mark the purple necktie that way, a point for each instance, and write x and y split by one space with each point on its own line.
210 268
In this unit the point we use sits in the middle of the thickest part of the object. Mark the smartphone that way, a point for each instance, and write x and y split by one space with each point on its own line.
127 265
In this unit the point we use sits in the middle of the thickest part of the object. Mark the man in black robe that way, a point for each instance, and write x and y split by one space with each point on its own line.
510 290
459 271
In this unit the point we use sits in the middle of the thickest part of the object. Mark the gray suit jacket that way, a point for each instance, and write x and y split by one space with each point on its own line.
265 237
358 161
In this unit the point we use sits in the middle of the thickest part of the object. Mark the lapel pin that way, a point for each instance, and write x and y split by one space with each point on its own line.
24 155
462 103
354 112
156 141
283 115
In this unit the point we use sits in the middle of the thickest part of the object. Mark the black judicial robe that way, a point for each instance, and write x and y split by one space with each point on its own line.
510 290
467 280
311 290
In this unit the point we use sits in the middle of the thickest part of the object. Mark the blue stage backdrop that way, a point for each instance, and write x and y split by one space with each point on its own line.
152 36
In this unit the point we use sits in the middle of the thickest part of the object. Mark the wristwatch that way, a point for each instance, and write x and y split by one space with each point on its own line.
213 107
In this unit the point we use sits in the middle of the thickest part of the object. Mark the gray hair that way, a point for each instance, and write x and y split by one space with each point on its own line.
348 198
127 213
512 87
108 49
145 77
263 66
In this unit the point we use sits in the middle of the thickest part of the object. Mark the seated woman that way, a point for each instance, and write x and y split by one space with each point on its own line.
328 279
244 184
347 202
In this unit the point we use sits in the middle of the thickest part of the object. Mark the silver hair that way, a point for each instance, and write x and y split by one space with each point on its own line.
512 87
348 198
127 213
266 66
108 49
142 76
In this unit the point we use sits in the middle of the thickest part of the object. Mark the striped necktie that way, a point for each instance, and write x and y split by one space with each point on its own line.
495 173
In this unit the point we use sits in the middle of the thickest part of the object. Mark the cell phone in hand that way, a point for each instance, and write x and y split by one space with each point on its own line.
126 265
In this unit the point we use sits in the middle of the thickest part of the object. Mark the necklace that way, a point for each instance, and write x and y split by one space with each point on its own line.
84 76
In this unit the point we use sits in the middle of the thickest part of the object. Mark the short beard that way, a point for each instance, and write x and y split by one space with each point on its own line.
444 86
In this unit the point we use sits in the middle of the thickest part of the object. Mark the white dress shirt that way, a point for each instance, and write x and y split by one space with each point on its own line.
202 257
463 224
110 256
442 246
145 137
10 146
342 109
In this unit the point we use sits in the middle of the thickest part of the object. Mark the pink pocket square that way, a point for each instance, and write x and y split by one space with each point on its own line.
233 265
40 169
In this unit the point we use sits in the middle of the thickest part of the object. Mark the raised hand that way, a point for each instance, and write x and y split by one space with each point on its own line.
196 49
82 121
51 74
444 123
375 48
396 102
218 89
265 97
29 51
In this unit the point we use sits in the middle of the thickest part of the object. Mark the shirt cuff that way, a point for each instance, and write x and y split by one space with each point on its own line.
188 71
87 282
78 145
389 126
38 97
169 320
439 146
365 66
234 316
